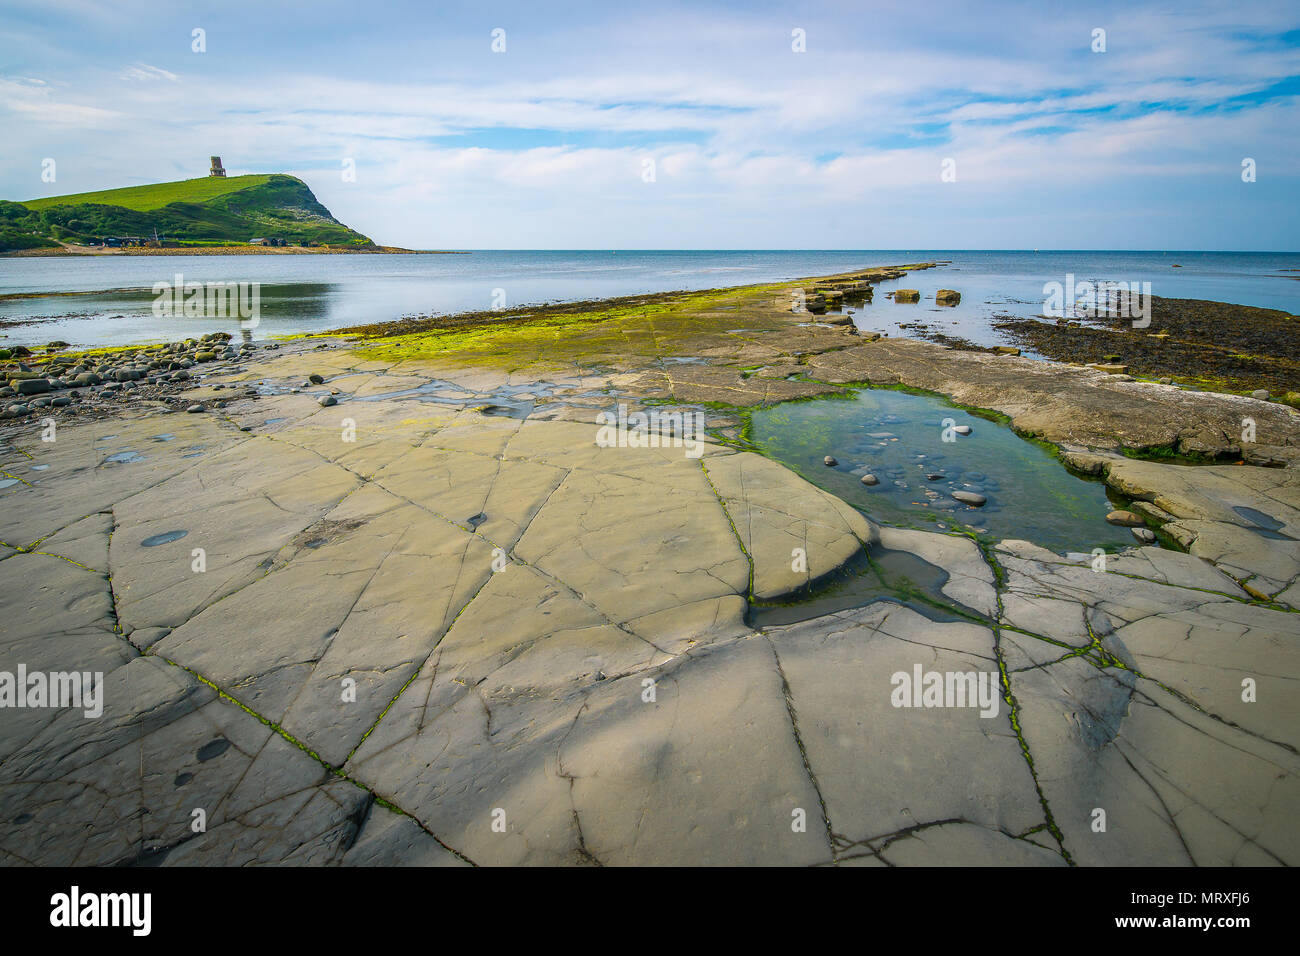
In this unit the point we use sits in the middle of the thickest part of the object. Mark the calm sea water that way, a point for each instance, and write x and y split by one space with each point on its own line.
317 293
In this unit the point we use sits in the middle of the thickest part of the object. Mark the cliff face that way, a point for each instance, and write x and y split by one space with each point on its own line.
274 206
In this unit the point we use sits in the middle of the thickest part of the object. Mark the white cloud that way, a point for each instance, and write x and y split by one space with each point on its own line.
143 72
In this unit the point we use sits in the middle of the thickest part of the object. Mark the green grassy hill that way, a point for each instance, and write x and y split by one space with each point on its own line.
203 211
155 196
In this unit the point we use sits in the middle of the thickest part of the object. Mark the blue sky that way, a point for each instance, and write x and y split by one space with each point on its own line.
550 143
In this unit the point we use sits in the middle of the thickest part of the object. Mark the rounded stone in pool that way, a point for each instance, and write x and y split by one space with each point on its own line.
164 538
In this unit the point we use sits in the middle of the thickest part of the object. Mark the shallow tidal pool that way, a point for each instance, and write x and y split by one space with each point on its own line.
899 438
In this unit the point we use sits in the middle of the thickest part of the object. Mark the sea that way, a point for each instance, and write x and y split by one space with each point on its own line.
117 296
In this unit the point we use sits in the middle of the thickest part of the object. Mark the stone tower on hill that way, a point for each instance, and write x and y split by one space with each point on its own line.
216 169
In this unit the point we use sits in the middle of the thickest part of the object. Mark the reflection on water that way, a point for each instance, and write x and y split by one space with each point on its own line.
898 438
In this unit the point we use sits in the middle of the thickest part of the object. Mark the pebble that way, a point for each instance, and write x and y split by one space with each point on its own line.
315 379
1126 519
1144 535
970 498
1260 393
870 480
328 400
829 462
196 408
962 429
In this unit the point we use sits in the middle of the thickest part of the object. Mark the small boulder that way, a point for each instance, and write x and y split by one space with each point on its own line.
1144 535
327 400
971 498
31 386
195 408
870 480
947 297
907 295
1125 519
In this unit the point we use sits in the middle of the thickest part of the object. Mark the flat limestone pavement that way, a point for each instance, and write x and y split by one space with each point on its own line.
437 623
268 606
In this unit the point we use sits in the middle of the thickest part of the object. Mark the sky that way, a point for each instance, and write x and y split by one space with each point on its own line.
748 125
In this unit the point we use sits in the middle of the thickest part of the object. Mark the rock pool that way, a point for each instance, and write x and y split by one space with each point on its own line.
899 438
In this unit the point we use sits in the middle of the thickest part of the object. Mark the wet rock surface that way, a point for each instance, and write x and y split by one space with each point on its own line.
1246 348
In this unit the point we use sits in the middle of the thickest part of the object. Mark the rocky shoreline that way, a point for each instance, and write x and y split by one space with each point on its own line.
386 599
1211 345
93 383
